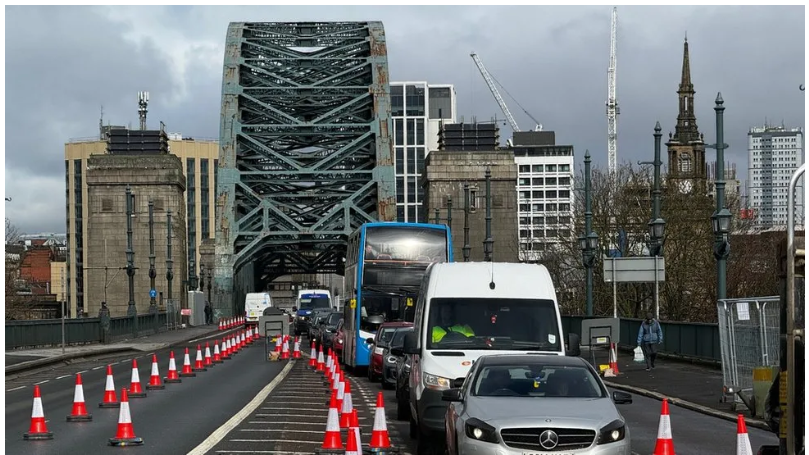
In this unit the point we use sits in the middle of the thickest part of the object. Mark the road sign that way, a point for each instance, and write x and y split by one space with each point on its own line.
152 293
634 269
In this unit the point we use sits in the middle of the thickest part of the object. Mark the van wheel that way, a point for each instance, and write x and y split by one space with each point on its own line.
414 428
402 410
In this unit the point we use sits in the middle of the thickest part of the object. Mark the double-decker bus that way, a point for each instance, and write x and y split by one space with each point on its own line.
385 264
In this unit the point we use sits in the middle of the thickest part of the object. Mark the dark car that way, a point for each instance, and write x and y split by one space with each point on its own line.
381 342
316 318
402 386
327 328
391 361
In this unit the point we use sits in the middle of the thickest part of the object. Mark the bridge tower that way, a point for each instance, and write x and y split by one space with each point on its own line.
306 153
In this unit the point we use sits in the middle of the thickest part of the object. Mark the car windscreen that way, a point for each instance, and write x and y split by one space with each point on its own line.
309 303
493 324
398 337
333 319
385 335
527 380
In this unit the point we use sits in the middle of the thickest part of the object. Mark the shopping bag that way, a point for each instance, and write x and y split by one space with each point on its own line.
639 355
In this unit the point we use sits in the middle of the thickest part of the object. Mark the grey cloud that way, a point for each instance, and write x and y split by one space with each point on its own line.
553 59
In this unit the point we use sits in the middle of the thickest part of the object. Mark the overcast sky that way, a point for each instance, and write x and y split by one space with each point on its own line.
552 59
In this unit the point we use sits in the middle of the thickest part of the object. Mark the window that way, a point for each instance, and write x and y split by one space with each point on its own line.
551 168
419 131
420 160
538 168
204 198
398 127
684 164
524 168
411 131
564 181
473 198
550 181
397 100
400 190
564 168
400 161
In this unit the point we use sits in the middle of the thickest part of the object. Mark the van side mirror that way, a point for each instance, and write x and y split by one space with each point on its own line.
294 309
369 340
621 397
452 395
573 346
410 343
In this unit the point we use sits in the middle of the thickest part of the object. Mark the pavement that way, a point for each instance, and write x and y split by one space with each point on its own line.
173 420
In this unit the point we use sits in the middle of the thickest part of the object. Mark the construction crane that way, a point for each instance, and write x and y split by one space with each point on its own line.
490 81
612 100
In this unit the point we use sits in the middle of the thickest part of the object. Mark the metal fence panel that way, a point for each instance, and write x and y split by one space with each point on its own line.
749 331
48 332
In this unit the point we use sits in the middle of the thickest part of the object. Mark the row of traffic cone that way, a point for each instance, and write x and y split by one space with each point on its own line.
282 347
125 436
229 323
665 441
342 414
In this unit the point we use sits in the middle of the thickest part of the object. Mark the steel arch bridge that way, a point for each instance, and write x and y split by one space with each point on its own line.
306 152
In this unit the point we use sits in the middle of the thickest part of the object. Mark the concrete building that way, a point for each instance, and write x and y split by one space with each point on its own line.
417 109
158 178
773 155
446 171
732 183
545 193
199 159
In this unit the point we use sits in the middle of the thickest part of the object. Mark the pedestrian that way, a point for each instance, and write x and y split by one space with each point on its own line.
208 313
649 336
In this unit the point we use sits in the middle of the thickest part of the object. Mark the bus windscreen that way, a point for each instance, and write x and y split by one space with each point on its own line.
405 245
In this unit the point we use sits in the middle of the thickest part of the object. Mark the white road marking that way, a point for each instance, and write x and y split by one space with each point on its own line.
16 388
99 367
42 382
82 371
234 421
272 452
62 377
314 443
283 430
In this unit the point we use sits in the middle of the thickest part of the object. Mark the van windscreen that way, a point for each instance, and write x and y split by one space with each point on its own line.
499 324
310 301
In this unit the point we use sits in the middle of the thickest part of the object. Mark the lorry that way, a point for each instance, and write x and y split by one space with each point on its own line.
254 305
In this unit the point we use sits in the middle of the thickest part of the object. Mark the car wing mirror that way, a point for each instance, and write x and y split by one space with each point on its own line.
452 395
621 397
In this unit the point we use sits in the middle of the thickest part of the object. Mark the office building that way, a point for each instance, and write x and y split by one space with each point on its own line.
199 159
732 184
418 109
773 155
545 179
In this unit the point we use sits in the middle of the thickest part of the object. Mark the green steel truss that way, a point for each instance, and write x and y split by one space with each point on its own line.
306 153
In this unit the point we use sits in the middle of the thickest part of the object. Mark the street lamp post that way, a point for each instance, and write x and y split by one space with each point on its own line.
488 243
657 225
152 270
588 242
721 218
131 310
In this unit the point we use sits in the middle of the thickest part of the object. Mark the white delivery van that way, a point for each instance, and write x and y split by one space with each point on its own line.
468 309
254 305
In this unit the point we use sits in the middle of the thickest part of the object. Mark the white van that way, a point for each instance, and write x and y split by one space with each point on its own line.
468 309
254 305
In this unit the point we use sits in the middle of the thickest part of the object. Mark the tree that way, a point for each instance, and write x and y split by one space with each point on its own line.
15 304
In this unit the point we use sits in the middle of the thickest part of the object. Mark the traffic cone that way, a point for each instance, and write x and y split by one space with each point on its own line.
380 438
208 361
329 362
187 372
347 408
743 446
125 436
341 387
256 336
110 399
221 324
354 426
665 444
614 359
154 378
313 357
173 377
198 365
278 343
285 352
321 365
79 413
296 353
243 338
217 356
136 390
233 348
332 439
225 349
39 429
351 444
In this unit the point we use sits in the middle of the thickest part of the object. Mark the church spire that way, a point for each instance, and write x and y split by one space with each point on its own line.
685 81
686 130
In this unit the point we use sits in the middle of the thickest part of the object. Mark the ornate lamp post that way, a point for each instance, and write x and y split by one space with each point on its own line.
721 218
657 226
588 242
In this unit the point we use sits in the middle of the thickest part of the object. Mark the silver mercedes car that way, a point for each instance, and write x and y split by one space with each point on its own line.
532 405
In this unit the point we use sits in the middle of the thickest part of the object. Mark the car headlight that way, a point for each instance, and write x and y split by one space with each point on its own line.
379 351
339 341
614 431
481 431
434 382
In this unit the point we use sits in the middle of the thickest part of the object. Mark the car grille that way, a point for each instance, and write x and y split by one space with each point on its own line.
528 438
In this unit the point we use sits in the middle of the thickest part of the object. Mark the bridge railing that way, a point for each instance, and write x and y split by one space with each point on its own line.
48 332
687 340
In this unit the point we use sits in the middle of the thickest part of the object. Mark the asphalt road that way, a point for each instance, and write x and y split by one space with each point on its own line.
12 359
173 420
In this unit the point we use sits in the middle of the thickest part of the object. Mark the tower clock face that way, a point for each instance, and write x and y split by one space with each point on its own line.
685 186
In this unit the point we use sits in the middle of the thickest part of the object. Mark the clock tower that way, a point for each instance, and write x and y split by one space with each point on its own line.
686 147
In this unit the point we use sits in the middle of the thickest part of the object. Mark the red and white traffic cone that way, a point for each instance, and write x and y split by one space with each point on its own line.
39 429
332 438
79 413
198 363
135 390
125 436
665 443
278 339
313 357
321 364
221 325
329 363
208 360
256 335
187 372
225 349
173 377
354 426
233 349
243 338
352 443
217 355
380 438
110 399
154 379
285 352
296 353
614 358
743 446
341 387
347 408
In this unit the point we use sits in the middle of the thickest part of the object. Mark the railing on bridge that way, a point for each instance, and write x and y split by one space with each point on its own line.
48 332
